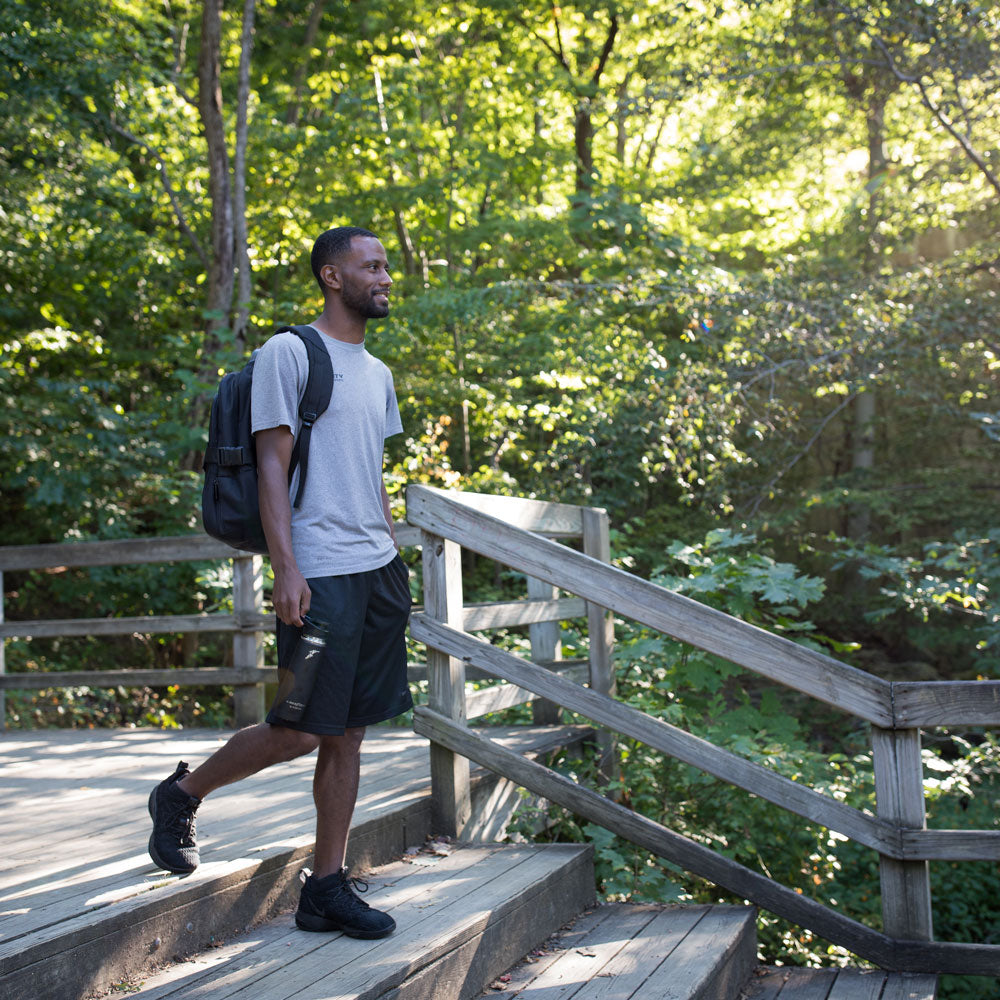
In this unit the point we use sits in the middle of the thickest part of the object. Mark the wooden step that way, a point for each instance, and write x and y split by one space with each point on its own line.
82 905
641 952
461 920
773 983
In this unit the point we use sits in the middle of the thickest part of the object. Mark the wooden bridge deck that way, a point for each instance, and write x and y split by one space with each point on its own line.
74 871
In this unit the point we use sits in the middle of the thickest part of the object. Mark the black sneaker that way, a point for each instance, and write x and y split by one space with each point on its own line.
331 904
171 844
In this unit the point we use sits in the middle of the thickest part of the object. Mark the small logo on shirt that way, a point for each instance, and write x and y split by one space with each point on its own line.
338 376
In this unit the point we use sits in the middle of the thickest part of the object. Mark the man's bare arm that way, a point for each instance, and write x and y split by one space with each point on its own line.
274 453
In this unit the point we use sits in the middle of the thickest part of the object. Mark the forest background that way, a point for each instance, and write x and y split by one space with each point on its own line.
726 269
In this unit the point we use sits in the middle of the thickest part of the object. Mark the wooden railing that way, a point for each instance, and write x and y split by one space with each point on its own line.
248 622
510 532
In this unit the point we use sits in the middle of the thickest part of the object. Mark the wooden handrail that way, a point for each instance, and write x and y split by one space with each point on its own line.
136 551
897 832
876 947
866 829
716 632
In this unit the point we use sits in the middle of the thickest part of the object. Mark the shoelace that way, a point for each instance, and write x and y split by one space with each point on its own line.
359 884
181 820
350 884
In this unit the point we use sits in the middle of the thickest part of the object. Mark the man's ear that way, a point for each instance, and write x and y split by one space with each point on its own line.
331 276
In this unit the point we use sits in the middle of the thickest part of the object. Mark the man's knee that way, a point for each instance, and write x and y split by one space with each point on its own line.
292 743
346 744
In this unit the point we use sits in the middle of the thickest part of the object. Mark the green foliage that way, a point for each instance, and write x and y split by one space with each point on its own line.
940 602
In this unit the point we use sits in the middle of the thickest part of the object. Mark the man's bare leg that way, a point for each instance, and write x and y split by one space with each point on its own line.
247 752
335 791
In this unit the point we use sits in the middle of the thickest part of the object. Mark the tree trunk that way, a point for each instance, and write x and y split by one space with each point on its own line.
221 274
294 109
878 165
583 135
242 250
862 462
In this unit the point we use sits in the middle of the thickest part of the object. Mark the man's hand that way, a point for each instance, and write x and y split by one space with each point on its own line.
291 596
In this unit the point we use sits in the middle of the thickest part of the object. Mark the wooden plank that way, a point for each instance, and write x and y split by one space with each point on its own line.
545 517
621 977
131 551
500 614
951 845
424 901
518 924
110 863
137 678
946 703
407 535
136 551
714 959
3 661
442 582
601 637
755 778
907 986
277 970
501 696
657 839
772 656
135 625
803 984
857 984
899 794
592 954
766 984
549 966
248 647
407 885
546 647
600 621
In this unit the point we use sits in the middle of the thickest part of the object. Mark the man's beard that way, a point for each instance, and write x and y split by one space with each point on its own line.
362 302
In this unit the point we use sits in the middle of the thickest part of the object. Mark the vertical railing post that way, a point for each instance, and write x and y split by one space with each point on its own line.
248 641
899 796
601 629
3 663
545 648
600 622
450 794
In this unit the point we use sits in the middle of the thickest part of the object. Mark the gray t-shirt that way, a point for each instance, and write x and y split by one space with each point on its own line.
340 526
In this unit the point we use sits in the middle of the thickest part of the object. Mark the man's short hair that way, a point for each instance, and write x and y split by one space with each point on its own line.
331 246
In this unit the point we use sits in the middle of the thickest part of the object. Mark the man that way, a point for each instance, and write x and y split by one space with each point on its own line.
336 557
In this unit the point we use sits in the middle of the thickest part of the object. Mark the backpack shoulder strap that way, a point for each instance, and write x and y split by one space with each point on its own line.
315 399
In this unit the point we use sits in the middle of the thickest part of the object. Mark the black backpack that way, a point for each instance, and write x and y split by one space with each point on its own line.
230 509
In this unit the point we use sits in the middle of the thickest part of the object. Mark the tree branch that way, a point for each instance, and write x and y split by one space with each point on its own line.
802 452
917 80
167 187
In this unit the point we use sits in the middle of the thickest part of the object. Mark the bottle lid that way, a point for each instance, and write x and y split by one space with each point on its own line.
314 623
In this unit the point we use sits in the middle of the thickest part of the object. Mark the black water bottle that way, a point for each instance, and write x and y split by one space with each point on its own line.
296 680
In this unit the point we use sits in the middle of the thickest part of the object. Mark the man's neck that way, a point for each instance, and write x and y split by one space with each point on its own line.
349 330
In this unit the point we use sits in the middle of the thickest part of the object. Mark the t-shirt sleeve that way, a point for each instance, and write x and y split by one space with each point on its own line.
393 421
280 370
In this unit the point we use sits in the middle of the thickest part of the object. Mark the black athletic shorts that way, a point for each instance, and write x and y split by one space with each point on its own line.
362 677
